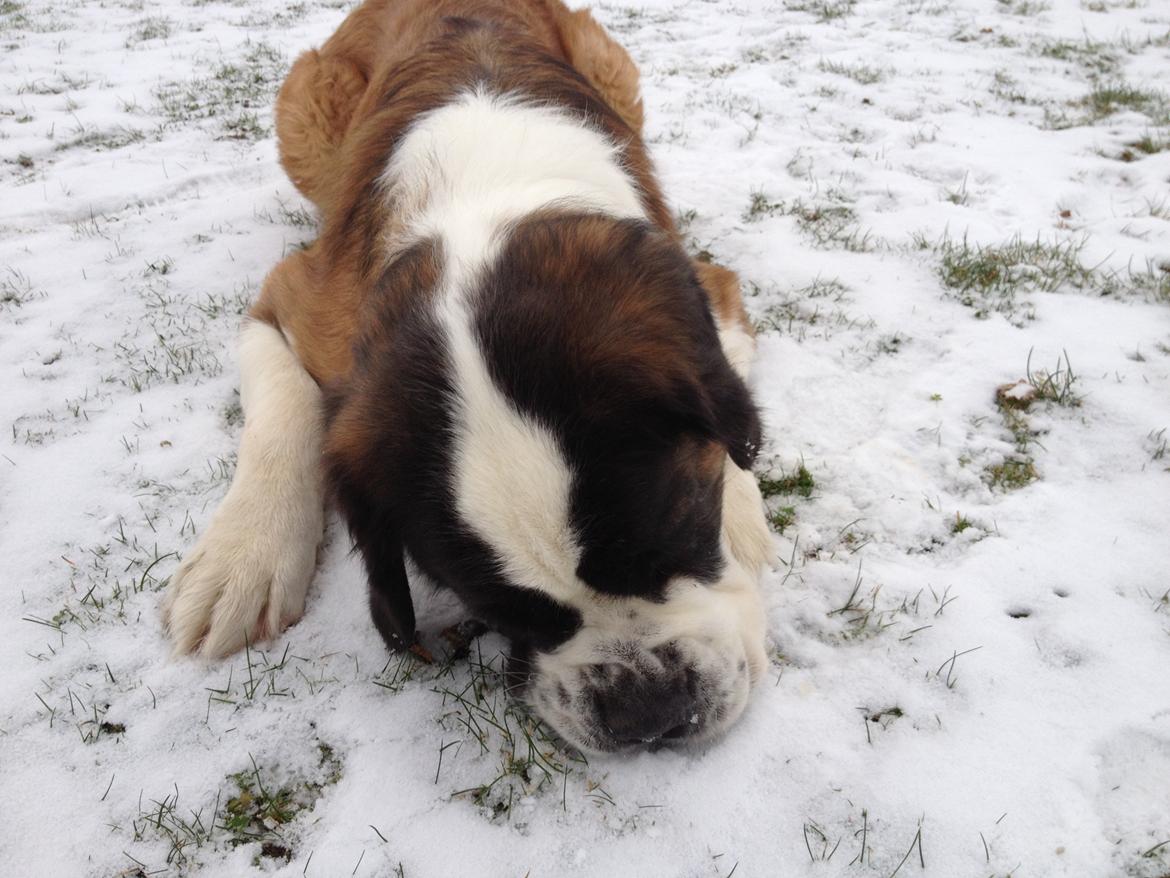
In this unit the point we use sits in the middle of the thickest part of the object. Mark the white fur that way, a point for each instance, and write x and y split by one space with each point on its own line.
745 529
246 578
468 169
512 482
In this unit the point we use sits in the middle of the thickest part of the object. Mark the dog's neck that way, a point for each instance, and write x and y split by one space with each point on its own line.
469 169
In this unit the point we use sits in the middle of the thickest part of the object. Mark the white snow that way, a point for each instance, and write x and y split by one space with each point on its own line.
994 701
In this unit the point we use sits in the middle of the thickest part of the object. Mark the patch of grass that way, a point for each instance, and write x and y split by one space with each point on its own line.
1150 143
960 524
215 306
185 831
245 126
1096 58
958 195
859 833
866 613
824 288
1158 445
526 757
799 482
17 290
1152 284
106 578
815 307
991 278
1153 861
63 82
1011 474
861 73
1005 87
889 343
152 28
233 413
1107 98
110 139
1023 7
267 677
881 719
235 94
782 517
290 15
1020 429
162 265
1106 6
13 16
829 223
824 10
172 342
257 812
297 217
1054 386
759 206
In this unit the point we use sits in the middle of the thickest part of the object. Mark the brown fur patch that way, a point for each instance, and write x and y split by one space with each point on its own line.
406 58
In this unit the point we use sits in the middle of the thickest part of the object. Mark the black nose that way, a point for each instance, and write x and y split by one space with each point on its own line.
641 710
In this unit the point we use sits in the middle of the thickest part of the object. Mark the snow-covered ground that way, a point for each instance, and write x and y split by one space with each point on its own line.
970 611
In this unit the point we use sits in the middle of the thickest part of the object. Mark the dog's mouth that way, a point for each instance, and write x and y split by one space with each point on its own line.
611 709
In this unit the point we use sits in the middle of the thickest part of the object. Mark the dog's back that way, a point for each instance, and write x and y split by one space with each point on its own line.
344 108
330 90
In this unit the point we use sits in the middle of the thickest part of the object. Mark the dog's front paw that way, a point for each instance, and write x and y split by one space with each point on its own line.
246 579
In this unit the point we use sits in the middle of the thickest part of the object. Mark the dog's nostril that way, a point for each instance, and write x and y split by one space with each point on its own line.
680 731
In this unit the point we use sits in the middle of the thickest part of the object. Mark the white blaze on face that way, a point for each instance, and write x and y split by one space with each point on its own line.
512 484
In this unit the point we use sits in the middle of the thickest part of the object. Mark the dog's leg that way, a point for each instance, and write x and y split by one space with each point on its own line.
744 523
736 333
246 579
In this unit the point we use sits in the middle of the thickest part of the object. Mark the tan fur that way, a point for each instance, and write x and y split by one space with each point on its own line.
322 91
313 112
722 287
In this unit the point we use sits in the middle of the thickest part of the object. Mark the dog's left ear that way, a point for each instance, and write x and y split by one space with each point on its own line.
734 418
731 415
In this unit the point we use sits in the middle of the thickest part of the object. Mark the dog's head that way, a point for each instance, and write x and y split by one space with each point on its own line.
552 436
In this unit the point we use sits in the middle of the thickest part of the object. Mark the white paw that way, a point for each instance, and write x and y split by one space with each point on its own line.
245 581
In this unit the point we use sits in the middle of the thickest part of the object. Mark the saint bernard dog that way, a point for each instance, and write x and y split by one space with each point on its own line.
498 359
